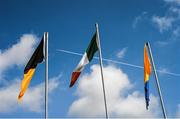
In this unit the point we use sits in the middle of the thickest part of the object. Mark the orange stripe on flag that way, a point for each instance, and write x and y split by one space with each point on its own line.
147 65
74 77
25 82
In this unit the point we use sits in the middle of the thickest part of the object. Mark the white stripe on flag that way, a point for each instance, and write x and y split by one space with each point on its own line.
84 61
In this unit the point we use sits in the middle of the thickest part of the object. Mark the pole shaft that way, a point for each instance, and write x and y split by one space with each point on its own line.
157 82
101 66
46 74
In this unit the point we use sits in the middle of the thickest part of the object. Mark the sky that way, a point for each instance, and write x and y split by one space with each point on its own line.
124 27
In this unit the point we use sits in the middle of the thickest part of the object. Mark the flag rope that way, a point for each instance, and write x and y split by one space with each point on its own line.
118 62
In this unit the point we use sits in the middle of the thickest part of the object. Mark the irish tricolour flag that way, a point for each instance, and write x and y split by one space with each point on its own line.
87 57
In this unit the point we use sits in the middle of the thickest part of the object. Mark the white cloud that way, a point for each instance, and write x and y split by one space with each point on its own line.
33 99
122 52
173 1
178 112
169 22
176 33
121 100
175 10
174 36
138 19
163 23
18 54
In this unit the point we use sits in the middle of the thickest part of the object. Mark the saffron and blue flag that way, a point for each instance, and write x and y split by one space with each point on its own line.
147 72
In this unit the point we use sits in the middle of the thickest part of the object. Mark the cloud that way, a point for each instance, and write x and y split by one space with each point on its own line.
173 1
121 100
174 36
138 19
178 112
17 54
175 10
163 23
168 23
122 52
33 99
176 33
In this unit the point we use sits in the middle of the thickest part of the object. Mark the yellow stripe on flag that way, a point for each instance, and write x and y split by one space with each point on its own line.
25 82
146 78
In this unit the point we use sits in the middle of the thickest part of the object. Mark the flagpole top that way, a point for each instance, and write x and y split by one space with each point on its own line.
147 43
96 25
46 33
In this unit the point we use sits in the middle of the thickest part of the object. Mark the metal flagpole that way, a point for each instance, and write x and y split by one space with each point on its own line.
46 74
101 66
157 81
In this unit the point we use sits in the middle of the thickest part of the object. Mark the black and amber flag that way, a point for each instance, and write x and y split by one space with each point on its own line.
29 70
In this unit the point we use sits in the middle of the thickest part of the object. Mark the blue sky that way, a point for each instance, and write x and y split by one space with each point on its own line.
124 27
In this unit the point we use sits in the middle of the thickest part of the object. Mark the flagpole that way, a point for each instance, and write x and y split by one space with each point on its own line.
46 74
101 66
157 82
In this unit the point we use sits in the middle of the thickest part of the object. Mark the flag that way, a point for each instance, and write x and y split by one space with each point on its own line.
29 70
87 57
147 72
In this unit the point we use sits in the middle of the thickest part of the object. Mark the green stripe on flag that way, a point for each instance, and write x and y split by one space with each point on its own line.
92 48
